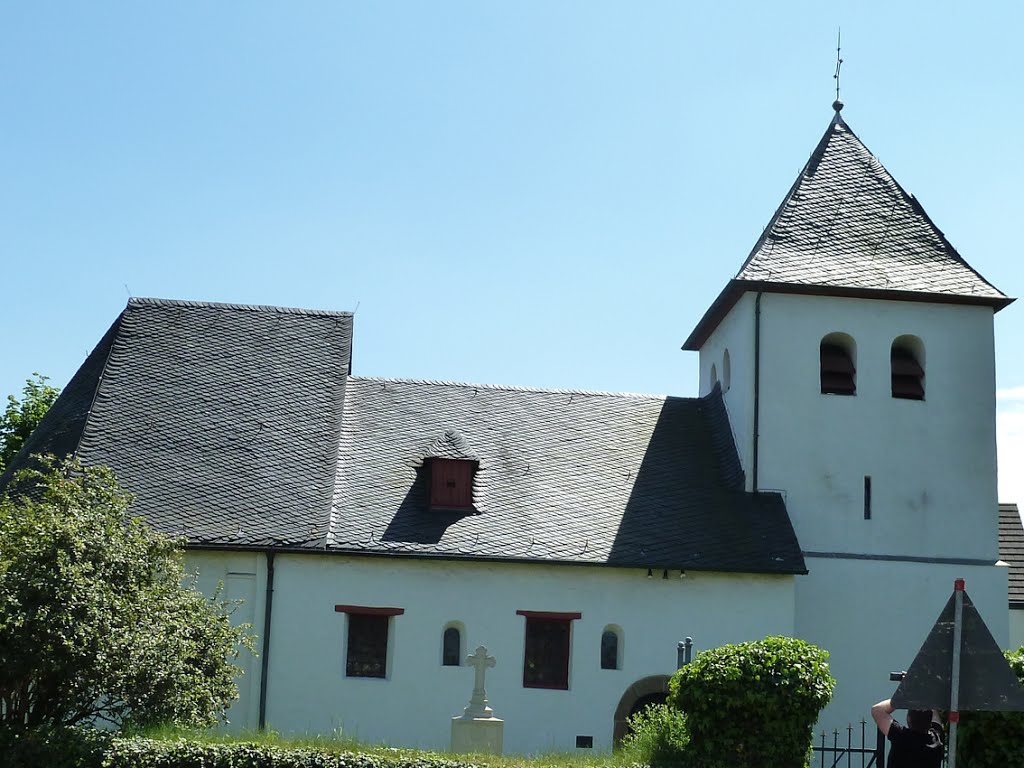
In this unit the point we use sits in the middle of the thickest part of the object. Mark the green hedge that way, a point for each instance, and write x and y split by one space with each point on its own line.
87 748
182 753
147 753
48 747
753 704
993 739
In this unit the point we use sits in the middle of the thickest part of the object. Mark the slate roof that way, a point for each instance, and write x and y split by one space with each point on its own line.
565 476
222 419
1011 550
240 427
846 227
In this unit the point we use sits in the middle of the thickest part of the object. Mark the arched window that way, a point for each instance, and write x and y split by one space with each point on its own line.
713 377
907 360
726 371
451 647
838 355
610 652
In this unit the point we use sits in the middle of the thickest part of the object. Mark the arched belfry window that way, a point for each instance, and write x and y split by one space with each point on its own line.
838 355
713 378
611 651
726 371
451 646
907 360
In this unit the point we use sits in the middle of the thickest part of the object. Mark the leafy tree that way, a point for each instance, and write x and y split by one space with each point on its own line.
95 621
21 416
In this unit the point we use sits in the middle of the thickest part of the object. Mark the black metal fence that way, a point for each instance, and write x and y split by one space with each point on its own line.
845 753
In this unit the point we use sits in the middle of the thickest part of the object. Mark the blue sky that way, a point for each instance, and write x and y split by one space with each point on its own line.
535 193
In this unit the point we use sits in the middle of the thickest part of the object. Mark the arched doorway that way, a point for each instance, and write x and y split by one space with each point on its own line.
642 693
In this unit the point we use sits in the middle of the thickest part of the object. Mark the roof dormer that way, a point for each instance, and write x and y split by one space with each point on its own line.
451 466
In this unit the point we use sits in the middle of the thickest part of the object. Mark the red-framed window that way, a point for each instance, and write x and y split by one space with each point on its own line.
366 649
547 649
451 483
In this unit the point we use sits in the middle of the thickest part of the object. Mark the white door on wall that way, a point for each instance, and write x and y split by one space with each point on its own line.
243 714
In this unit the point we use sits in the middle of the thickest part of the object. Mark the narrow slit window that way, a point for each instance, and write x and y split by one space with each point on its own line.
867 497
609 649
451 653
837 355
907 361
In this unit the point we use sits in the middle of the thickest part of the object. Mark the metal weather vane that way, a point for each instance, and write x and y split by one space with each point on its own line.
839 65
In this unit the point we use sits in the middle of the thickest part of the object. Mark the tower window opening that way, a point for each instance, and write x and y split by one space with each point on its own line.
907 360
838 369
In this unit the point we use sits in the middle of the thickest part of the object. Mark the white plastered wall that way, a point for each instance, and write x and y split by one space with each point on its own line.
932 463
874 615
308 691
932 466
736 334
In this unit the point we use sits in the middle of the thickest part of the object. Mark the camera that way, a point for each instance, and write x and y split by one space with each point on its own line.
897 677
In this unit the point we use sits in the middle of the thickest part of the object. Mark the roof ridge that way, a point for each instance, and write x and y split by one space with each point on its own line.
158 302
912 199
514 388
816 155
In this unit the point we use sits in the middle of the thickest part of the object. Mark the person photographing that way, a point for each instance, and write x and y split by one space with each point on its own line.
918 744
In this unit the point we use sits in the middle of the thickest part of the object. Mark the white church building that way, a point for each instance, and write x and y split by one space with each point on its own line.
837 472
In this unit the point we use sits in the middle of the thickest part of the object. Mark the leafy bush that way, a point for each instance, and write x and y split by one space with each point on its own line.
657 737
753 704
993 739
94 619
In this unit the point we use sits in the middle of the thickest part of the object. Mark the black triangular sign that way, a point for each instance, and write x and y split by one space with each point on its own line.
986 681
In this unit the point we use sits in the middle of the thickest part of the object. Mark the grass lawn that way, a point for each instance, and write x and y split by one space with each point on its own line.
345 744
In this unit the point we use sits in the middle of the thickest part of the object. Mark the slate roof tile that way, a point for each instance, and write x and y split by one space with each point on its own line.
846 227
223 419
563 476
846 222
240 426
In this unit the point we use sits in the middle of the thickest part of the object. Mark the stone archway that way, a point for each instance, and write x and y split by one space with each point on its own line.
645 691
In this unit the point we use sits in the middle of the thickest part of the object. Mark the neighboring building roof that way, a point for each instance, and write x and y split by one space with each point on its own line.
240 427
1011 550
846 228
566 476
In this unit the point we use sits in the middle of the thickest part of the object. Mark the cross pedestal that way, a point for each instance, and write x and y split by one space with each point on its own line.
477 729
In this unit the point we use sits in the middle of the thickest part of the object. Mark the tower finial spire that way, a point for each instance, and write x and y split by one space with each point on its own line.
837 105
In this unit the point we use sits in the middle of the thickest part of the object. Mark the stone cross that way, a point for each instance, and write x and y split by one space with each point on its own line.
478 701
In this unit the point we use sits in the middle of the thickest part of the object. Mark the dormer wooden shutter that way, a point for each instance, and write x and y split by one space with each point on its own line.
451 483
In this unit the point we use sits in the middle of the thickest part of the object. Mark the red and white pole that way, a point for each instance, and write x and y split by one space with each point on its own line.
954 691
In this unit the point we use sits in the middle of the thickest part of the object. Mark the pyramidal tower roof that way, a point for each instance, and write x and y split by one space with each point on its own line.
846 228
